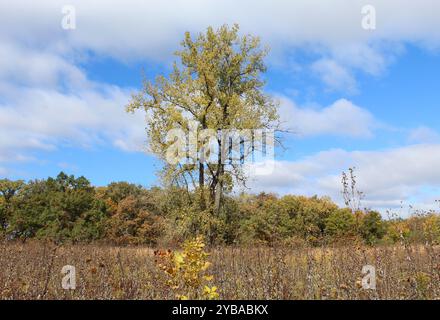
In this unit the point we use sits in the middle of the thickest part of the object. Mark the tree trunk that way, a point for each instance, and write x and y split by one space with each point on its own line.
201 175
202 185
219 190
218 196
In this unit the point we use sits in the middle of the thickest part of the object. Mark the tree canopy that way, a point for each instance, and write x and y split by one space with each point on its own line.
69 209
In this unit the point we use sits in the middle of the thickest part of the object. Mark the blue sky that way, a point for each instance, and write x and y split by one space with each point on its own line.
355 97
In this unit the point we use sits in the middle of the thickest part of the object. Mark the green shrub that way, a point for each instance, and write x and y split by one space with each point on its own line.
340 223
372 227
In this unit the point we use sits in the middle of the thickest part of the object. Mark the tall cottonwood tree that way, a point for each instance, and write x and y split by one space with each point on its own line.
216 85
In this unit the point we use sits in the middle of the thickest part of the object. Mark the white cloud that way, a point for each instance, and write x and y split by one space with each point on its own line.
340 63
370 58
139 27
152 29
423 135
342 118
46 101
27 66
388 178
335 76
45 119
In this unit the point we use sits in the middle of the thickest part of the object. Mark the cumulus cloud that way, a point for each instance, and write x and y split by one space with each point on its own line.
146 27
335 76
387 177
342 118
47 102
339 64
26 66
152 29
45 119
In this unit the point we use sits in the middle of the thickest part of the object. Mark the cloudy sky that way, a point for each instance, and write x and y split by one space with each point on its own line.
354 96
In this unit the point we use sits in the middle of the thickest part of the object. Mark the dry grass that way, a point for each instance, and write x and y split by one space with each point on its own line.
33 271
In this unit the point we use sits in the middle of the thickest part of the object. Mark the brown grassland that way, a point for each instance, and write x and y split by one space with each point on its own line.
33 271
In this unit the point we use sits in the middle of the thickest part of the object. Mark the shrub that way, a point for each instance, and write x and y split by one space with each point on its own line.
308 215
372 227
185 271
398 231
264 220
431 229
134 222
340 223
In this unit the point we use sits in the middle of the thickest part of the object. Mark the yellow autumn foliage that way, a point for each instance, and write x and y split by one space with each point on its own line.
185 271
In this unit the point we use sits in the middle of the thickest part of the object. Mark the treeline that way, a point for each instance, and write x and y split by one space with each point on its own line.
70 209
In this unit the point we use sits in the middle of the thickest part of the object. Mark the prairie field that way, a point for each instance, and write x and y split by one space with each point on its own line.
33 271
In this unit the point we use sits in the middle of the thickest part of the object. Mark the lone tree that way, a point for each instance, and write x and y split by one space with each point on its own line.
216 86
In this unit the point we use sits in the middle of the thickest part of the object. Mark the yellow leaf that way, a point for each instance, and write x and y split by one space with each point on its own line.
179 258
